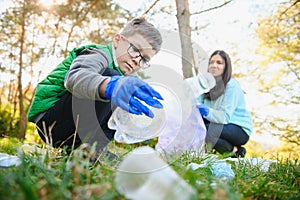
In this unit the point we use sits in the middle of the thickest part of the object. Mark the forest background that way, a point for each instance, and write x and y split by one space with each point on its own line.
262 39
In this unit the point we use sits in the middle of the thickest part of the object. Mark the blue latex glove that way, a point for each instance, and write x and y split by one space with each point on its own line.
203 109
127 91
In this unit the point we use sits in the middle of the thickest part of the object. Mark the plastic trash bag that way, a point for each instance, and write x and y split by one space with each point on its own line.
186 132
178 126
188 135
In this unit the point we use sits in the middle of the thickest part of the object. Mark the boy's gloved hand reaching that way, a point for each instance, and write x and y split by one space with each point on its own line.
127 93
203 109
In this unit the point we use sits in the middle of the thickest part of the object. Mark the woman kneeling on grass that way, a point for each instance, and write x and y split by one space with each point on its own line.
223 109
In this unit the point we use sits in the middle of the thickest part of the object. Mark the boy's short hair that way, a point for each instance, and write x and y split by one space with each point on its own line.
147 30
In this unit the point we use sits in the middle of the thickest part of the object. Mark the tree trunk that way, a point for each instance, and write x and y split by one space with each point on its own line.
183 19
20 92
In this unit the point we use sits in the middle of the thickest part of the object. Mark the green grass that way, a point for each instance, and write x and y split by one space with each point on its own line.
9 145
53 175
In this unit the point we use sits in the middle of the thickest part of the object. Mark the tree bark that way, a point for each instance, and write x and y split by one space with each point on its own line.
20 92
183 19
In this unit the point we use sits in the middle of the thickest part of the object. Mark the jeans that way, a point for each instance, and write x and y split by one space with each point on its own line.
223 137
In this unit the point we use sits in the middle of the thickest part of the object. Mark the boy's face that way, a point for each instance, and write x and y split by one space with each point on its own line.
132 52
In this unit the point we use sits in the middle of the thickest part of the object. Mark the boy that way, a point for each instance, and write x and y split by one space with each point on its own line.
74 102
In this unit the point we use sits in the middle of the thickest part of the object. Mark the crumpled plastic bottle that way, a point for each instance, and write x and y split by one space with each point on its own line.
9 160
201 83
131 128
222 170
143 174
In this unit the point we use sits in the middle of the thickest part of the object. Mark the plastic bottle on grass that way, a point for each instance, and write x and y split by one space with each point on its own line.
9 160
222 170
143 174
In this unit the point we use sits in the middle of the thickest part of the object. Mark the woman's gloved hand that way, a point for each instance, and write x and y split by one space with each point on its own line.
203 109
127 92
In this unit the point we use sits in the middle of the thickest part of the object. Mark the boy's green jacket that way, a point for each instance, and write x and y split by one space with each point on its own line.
49 90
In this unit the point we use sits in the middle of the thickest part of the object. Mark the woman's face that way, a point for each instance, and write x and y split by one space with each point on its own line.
216 65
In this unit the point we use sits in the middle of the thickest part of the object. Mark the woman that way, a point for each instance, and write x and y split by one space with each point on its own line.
223 109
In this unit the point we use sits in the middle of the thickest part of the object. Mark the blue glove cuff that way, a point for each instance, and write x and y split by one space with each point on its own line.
129 92
111 86
203 109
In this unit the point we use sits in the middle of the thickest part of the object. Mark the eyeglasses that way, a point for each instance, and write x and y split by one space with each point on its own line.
134 52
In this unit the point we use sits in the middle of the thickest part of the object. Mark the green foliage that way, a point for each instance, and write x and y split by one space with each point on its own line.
53 175
9 125
278 183
279 38
279 35
32 34
9 145
32 135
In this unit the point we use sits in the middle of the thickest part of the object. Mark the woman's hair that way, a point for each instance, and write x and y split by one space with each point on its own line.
222 81
145 29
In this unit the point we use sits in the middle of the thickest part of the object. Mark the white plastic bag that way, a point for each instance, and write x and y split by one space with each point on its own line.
188 135
186 130
178 126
